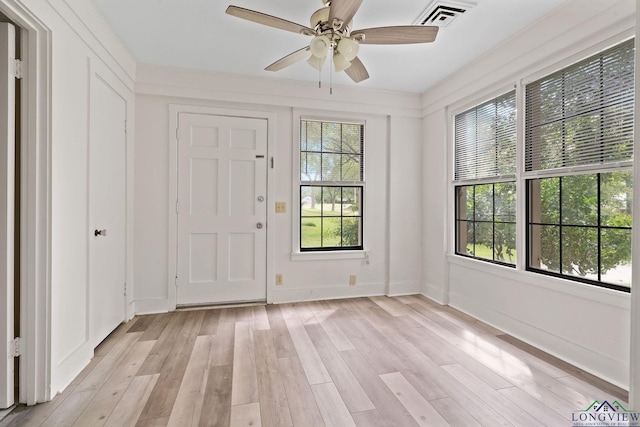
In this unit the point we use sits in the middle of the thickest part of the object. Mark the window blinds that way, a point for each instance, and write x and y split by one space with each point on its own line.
485 140
583 114
331 152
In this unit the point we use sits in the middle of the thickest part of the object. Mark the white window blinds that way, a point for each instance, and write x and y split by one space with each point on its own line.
485 140
583 114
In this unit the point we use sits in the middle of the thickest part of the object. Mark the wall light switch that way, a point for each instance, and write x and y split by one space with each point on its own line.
278 279
352 280
281 207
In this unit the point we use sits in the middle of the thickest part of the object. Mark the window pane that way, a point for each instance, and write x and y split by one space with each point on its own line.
310 232
579 251
580 199
351 232
331 201
351 138
309 201
616 194
331 167
310 166
544 241
616 256
484 202
505 202
312 132
469 236
351 201
485 225
351 168
462 237
549 194
462 197
331 137
331 230
484 240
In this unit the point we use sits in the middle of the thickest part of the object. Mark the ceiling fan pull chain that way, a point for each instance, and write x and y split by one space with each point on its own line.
331 74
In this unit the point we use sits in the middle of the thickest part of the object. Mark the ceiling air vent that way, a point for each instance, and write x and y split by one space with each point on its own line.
442 13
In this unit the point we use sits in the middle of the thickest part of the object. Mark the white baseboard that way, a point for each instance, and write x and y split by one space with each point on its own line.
398 289
151 306
434 293
334 292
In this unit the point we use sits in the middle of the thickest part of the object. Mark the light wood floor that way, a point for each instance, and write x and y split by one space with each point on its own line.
362 362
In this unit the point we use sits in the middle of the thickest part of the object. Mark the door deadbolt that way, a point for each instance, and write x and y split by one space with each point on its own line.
260 198
259 225
100 233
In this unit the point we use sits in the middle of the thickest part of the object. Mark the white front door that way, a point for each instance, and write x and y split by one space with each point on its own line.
107 192
222 184
7 213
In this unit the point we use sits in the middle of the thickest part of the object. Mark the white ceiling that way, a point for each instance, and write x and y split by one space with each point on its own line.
197 34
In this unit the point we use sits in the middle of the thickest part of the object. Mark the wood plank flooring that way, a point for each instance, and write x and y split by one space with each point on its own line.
363 362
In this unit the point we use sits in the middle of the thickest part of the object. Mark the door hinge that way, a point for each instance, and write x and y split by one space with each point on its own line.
17 68
15 349
125 127
125 288
272 163
177 207
177 133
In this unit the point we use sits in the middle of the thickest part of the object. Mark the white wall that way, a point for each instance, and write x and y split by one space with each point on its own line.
585 325
393 210
83 49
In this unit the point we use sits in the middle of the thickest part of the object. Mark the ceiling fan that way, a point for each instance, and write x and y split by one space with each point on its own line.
331 29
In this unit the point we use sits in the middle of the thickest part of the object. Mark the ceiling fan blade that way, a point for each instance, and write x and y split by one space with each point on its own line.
343 10
357 71
268 20
290 59
403 34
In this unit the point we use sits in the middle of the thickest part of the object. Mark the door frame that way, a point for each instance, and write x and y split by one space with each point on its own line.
35 215
174 115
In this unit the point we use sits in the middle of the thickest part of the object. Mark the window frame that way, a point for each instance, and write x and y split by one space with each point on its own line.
333 253
492 96
527 176
598 226
519 82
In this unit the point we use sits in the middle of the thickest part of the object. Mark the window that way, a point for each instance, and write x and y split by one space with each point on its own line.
485 190
578 154
331 185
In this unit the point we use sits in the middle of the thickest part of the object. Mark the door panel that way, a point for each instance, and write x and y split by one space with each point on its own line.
222 198
107 204
7 200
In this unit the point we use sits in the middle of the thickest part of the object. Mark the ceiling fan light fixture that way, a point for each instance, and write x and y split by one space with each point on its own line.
320 46
340 62
316 62
349 48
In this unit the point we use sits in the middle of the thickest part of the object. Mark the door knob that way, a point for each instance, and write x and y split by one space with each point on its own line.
100 233
259 225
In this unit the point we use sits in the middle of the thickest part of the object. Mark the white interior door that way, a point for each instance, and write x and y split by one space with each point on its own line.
222 184
107 191
7 213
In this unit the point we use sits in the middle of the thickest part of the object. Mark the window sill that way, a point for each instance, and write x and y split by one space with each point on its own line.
328 256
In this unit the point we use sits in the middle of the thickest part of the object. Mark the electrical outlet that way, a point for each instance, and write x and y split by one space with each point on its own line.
281 207
278 279
352 280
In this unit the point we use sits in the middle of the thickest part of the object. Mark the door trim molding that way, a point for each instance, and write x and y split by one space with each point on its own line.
174 112
35 231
